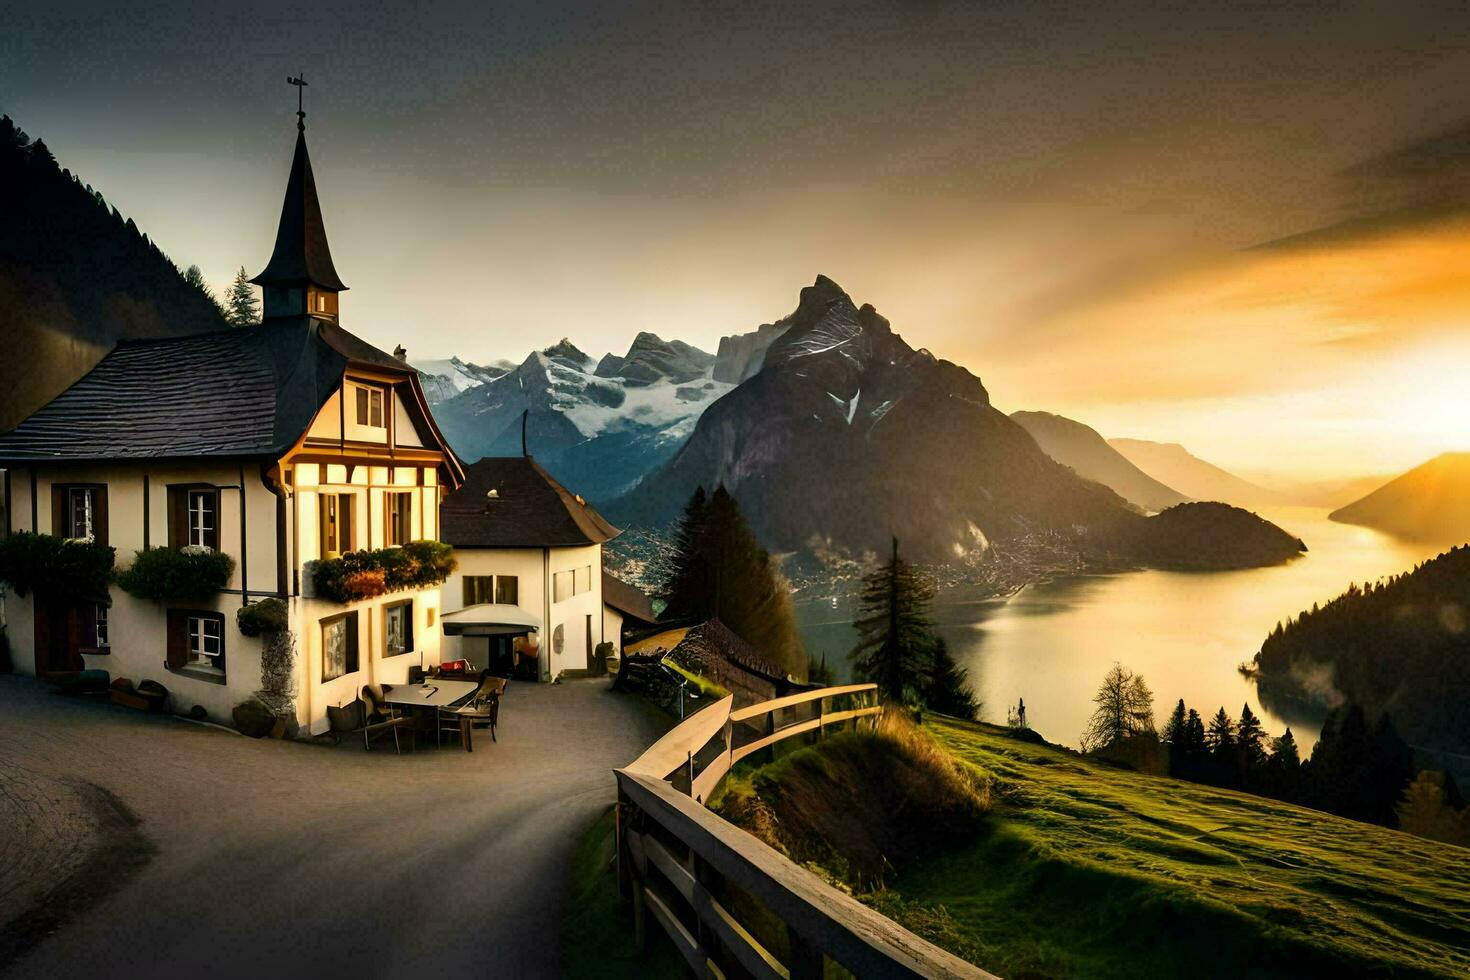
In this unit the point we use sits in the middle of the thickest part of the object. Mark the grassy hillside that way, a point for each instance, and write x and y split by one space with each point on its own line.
1084 870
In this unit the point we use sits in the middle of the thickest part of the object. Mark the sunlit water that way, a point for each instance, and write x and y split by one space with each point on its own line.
1185 632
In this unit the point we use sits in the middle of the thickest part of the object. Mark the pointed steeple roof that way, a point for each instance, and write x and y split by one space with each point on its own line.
301 255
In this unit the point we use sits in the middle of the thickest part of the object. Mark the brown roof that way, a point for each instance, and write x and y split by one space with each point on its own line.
301 254
714 638
627 599
511 502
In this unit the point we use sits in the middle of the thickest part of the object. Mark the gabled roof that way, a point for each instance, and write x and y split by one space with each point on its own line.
627 599
511 502
301 255
248 392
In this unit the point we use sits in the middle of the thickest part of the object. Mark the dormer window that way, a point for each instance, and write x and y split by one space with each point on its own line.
369 406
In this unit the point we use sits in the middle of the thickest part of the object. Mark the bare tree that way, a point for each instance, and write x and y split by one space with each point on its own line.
1125 707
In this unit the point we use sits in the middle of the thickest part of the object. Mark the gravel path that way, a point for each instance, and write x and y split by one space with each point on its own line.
286 860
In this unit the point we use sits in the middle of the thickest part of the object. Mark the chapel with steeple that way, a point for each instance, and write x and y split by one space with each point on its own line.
246 463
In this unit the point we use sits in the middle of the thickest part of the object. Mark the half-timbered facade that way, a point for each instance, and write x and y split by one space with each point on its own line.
279 445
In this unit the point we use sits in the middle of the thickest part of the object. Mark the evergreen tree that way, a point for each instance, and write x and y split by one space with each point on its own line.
948 691
1176 737
895 647
1358 771
1196 752
1283 769
1250 738
1125 708
720 571
1427 811
194 277
241 308
1220 735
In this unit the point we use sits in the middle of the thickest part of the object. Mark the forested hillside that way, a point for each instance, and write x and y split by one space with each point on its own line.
1400 646
75 277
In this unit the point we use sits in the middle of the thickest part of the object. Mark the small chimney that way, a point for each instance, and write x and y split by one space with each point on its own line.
400 353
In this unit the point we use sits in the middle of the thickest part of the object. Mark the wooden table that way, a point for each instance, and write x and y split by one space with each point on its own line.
436 693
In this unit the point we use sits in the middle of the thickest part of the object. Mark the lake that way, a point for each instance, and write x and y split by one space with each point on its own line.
1185 632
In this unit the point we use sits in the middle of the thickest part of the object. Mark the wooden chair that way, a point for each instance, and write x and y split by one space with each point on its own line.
483 708
353 718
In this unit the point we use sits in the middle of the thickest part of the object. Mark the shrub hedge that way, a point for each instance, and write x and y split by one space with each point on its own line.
165 575
265 616
364 574
55 567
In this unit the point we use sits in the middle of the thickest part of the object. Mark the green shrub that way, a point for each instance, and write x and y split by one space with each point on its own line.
54 568
165 575
265 616
365 574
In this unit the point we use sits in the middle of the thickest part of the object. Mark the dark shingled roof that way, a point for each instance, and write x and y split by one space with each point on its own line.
627 599
529 510
301 255
234 393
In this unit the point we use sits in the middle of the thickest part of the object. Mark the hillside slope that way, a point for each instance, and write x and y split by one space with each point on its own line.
1430 502
1084 870
1175 466
75 278
1079 446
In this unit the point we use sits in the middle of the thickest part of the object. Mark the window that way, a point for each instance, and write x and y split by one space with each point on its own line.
400 518
584 580
193 516
491 588
370 406
79 511
398 628
196 643
339 646
335 516
562 586
99 626
203 518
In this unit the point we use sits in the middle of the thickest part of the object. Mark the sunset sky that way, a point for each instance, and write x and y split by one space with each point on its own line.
1240 227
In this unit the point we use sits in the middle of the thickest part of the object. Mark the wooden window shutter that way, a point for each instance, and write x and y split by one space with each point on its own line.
178 517
469 590
60 511
99 515
178 639
351 642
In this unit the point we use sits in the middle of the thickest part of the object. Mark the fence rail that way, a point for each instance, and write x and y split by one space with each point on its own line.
730 904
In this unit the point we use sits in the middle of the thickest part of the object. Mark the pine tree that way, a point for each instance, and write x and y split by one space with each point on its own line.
241 308
948 690
1220 736
1176 736
895 645
1283 769
720 571
194 277
1125 708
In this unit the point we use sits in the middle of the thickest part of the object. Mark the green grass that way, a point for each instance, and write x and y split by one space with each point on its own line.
597 926
1082 870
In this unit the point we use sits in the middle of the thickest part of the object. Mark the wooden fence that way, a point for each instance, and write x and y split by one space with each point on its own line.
732 905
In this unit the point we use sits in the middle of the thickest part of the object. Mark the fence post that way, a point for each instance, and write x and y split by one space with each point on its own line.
620 842
690 764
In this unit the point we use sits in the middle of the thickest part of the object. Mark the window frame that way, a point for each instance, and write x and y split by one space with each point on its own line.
558 594
406 606
397 516
63 512
190 662
343 523
351 655
369 402
180 519
208 536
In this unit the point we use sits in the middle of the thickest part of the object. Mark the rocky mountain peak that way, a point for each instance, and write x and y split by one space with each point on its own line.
565 350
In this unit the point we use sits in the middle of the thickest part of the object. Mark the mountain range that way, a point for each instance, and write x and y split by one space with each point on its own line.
1174 466
1430 502
1089 455
599 425
847 436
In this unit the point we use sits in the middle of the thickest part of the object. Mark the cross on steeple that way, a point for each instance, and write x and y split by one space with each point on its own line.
300 82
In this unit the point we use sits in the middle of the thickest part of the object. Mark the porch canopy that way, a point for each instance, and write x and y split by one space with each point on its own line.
490 619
